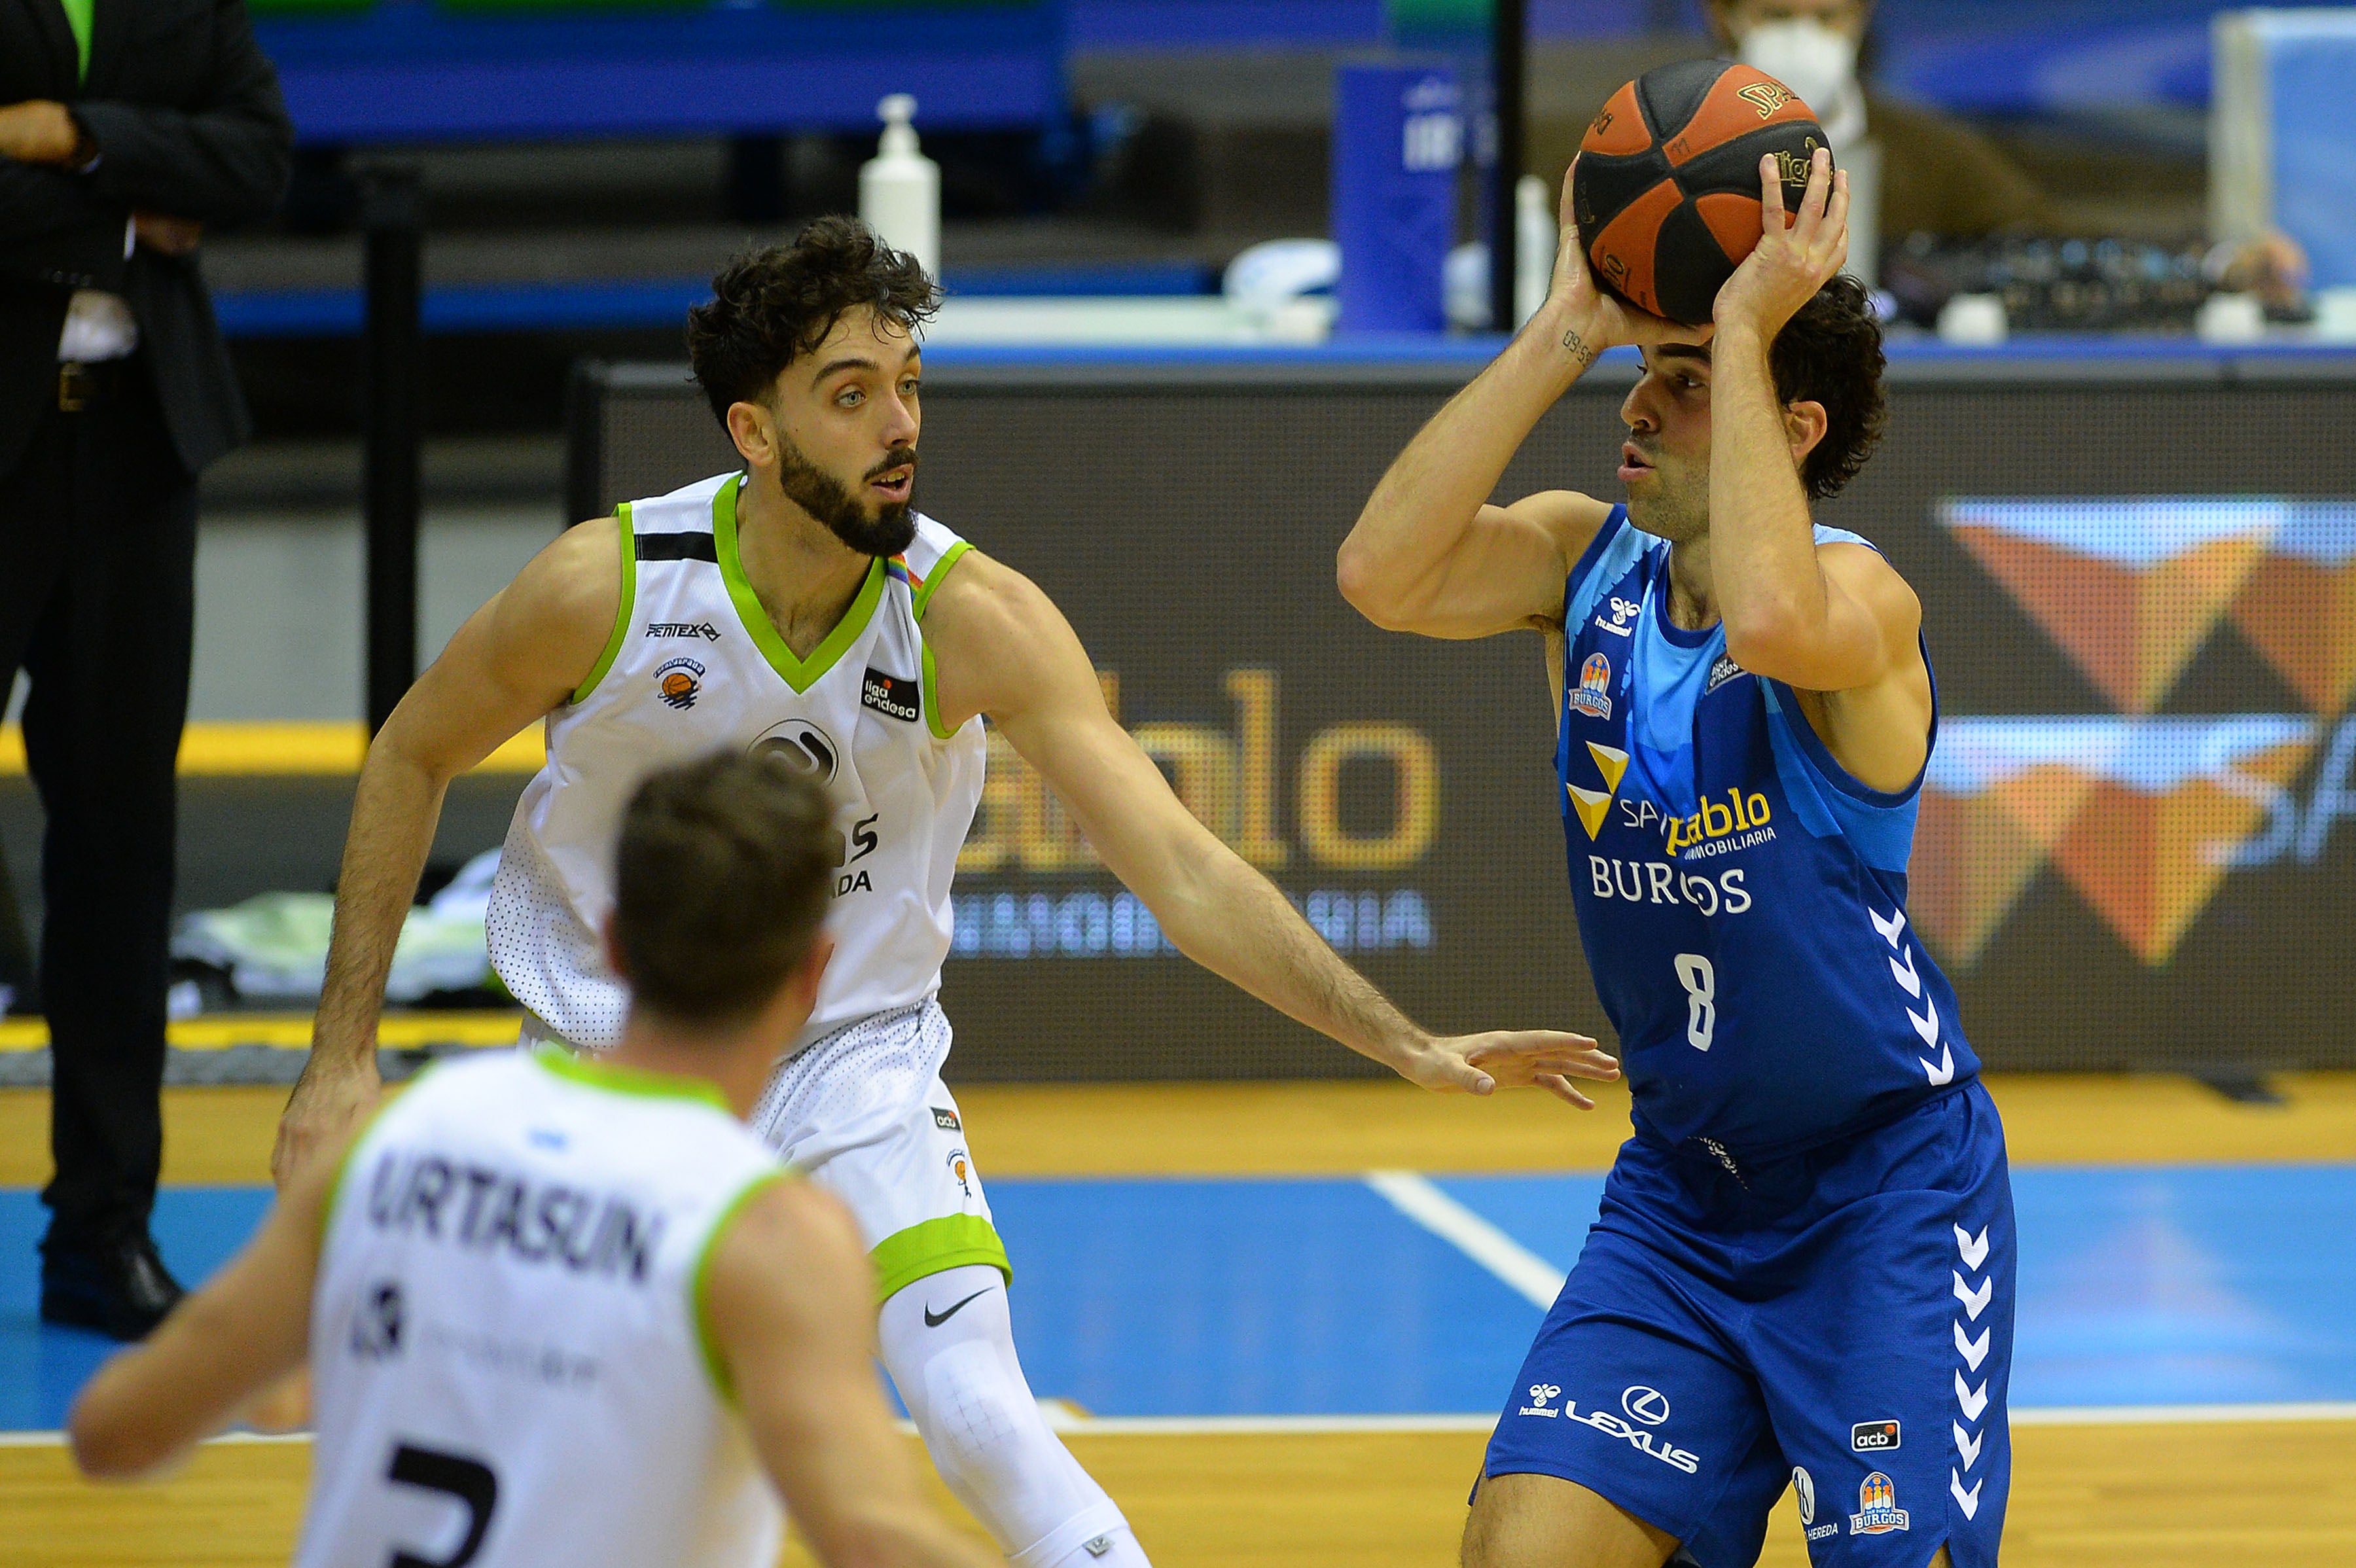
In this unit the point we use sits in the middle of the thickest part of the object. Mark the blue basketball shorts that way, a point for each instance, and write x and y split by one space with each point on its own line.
1840 1322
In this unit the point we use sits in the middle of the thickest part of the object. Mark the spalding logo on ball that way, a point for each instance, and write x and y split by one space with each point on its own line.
1667 189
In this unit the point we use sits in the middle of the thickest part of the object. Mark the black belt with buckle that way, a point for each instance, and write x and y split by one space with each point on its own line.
83 384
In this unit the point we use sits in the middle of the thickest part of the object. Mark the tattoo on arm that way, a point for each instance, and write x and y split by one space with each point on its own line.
1579 349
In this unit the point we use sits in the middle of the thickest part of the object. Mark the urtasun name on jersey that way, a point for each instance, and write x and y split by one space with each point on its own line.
480 1207
1741 898
693 665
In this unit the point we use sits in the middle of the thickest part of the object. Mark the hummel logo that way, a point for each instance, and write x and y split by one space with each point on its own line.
931 1322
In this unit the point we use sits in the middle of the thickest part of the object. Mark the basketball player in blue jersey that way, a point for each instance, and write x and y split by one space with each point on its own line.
1802 1270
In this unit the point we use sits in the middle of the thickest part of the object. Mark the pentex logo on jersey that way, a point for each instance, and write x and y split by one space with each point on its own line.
1878 1512
679 681
704 629
1594 678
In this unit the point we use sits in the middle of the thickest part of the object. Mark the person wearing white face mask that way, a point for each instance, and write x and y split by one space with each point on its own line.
1939 176
1936 175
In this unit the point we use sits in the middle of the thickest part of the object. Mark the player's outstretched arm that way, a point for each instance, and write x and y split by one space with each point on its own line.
520 655
1004 649
1429 553
791 1308
221 1350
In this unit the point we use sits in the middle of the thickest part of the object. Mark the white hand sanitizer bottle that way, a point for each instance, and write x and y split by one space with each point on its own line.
1534 239
900 188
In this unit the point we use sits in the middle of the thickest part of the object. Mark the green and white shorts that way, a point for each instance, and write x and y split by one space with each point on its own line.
862 1112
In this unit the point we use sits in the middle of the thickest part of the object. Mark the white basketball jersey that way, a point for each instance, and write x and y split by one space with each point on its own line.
509 1362
693 666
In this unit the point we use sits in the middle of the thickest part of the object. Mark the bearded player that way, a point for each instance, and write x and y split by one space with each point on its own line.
801 606
1802 1272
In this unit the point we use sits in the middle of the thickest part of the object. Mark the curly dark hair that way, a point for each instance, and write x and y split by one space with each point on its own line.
770 307
1830 353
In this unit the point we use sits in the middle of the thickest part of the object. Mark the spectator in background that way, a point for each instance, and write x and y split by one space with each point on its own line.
1938 175
126 128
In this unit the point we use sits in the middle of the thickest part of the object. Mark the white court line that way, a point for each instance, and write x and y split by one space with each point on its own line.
56 1439
1528 1274
1068 1420
2165 1415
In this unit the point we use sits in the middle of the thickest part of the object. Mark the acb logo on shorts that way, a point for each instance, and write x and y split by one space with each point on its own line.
1873 1436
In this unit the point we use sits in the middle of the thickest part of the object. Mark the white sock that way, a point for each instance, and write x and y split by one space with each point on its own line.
959 1376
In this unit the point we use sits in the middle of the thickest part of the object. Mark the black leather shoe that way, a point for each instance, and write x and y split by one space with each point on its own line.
123 1291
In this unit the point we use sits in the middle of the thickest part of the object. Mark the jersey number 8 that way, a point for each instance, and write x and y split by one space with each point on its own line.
1700 982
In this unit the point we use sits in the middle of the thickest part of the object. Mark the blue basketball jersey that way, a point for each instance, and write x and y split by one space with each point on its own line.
1741 898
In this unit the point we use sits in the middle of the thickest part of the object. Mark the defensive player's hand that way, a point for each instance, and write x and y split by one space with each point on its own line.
1584 317
1789 264
1516 1059
330 1100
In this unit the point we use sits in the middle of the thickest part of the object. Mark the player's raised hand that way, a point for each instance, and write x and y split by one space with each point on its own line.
1796 256
1515 1059
1587 319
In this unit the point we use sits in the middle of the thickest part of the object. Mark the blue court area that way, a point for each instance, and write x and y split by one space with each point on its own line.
2208 1284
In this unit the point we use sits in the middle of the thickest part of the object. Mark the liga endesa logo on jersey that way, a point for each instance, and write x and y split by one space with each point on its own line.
2143 816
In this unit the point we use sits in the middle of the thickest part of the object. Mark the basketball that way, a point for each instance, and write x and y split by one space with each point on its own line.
1667 189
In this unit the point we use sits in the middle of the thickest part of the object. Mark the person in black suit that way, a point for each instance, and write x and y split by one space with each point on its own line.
127 128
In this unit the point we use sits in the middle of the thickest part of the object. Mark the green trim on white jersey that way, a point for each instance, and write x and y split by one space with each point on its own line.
622 611
614 1078
700 1289
800 674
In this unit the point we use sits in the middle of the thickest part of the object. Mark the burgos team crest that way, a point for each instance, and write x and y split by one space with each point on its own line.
1878 1512
1594 679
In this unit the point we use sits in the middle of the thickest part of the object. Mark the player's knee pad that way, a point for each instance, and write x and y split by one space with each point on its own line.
949 1347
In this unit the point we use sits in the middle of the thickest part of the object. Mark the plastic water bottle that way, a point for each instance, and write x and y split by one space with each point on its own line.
900 188
1534 246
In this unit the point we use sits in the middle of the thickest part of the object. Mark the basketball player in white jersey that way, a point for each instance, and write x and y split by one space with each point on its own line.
565 1309
802 606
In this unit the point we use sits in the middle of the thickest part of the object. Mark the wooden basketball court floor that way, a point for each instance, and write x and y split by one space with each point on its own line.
2233 1443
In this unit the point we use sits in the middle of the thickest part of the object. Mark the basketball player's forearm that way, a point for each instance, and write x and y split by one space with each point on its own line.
395 813
1433 492
1762 542
1234 922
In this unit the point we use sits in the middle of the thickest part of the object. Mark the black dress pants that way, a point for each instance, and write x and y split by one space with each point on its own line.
97 546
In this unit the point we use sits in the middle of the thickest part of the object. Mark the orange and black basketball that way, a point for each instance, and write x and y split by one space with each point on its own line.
1667 189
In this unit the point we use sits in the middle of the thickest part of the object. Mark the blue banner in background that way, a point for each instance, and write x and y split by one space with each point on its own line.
1398 137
